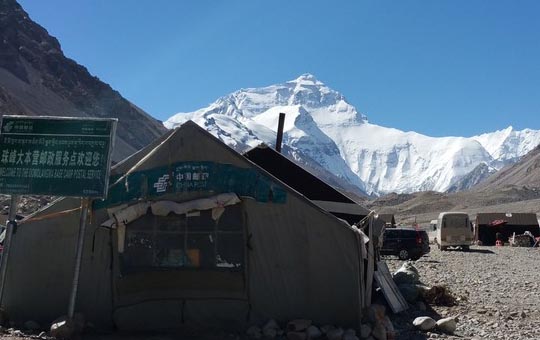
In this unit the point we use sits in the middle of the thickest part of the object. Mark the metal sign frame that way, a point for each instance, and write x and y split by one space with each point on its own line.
42 130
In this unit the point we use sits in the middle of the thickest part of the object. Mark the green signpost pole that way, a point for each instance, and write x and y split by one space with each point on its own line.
10 226
78 257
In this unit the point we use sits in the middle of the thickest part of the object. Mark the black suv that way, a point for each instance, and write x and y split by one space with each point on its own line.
405 243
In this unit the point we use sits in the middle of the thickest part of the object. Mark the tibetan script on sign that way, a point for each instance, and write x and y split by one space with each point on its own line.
59 156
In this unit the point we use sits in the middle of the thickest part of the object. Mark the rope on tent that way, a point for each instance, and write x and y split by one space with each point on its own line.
183 311
361 222
56 214
141 161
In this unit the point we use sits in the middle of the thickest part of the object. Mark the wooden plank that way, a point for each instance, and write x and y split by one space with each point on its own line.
389 288
361 278
370 264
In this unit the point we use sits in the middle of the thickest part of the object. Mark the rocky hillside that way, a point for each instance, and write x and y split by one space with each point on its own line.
475 177
36 78
423 207
526 173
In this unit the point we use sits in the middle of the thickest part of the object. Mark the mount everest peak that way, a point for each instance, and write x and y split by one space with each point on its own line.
327 134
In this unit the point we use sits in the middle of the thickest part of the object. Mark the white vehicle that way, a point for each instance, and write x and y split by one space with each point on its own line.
454 229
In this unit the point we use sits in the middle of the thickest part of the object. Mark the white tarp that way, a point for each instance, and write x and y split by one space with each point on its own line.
216 203
364 238
163 208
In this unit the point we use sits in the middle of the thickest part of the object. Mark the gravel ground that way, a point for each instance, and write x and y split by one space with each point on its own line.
498 287
498 290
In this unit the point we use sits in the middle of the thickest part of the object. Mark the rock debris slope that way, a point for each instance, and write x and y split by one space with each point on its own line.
525 172
37 79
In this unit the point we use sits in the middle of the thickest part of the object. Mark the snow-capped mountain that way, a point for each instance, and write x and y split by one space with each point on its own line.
508 145
324 127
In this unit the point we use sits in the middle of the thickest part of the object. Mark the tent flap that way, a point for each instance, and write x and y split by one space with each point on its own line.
163 208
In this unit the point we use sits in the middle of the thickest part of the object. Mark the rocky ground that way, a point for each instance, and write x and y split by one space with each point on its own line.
498 289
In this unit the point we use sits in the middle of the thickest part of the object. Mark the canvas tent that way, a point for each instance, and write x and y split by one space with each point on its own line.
488 224
191 233
389 220
309 185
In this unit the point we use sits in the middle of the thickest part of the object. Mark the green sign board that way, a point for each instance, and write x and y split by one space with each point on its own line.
60 156
184 177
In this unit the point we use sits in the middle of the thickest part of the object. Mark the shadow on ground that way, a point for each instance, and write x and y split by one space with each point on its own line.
173 335
403 323
389 258
481 251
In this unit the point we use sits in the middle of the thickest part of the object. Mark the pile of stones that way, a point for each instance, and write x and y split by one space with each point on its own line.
61 328
30 330
445 325
376 325
419 296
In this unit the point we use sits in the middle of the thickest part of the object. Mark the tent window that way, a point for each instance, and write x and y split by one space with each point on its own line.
169 251
201 221
227 256
195 241
230 219
139 249
172 224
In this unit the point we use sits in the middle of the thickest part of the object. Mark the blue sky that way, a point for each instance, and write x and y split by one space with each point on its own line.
456 67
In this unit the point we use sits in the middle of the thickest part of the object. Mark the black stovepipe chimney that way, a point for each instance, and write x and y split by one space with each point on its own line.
279 137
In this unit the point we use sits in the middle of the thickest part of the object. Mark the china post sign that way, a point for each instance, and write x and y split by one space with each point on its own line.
57 156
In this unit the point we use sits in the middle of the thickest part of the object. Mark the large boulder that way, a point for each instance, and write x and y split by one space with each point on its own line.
447 325
335 334
254 332
62 329
298 325
407 273
365 330
326 328
412 292
271 329
376 313
379 331
313 332
424 323
296 336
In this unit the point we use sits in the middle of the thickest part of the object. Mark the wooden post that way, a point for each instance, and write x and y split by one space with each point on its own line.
10 226
370 264
78 257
